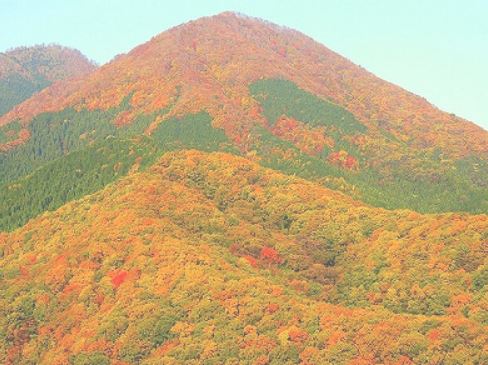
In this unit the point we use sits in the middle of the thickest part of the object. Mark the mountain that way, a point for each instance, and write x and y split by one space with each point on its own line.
27 70
281 99
214 60
233 192
208 258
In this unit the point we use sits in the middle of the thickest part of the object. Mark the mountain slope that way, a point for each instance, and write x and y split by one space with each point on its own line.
27 70
281 99
209 258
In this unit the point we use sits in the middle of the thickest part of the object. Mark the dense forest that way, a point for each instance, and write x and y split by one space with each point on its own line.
208 258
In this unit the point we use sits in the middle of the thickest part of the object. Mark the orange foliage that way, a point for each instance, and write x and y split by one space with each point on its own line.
335 337
192 291
297 335
118 278
343 159
273 307
309 140
404 360
261 360
434 335
251 260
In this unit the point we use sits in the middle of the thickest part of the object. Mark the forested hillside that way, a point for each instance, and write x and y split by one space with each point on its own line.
208 259
83 150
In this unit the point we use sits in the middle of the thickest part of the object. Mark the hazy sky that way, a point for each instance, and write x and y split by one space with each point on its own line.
434 48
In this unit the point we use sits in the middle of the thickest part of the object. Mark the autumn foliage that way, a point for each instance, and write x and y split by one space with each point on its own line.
270 255
209 257
173 255
280 99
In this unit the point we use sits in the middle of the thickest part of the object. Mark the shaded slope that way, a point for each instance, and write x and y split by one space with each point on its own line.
208 258
101 158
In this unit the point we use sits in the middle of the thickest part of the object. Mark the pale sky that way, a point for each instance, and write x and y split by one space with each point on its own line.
435 48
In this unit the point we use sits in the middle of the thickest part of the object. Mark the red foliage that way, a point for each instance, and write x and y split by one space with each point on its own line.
70 288
251 260
310 140
270 255
350 163
273 307
344 160
118 278
297 335
234 248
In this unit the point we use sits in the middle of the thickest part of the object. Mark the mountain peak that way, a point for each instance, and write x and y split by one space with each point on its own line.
52 61
231 16
209 63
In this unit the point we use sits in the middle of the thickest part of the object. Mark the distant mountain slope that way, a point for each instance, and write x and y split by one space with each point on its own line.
27 70
211 259
281 99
